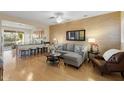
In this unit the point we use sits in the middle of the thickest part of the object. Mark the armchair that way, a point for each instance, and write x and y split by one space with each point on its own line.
114 64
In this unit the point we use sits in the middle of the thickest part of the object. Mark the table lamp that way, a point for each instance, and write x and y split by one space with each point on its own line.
92 42
55 41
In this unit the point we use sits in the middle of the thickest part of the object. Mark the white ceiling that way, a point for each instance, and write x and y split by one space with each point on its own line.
44 16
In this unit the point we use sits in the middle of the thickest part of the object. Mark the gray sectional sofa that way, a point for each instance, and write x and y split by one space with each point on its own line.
73 54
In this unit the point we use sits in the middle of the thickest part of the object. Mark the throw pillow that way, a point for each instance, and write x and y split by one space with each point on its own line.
78 49
70 47
109 53
64 47
60 47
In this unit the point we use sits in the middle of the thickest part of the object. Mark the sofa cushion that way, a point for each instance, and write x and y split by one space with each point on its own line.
73 59
66 52
73 56
78 49
64 47
70 47
59 47
63 51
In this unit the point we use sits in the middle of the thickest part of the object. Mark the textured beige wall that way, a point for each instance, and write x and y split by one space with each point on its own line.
106 29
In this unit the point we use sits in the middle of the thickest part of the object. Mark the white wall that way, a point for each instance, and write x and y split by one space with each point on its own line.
27 33
46 30
27 37
122 30
1 42
13 26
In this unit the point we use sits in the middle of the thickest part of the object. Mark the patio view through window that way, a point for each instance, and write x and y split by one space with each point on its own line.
11 38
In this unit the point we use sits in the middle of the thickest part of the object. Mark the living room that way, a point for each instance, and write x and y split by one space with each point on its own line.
59 46
102 29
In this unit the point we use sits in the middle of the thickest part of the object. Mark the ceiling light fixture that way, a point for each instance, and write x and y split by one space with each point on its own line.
59 17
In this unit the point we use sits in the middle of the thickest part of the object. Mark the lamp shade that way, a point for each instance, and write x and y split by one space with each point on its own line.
91 40
54 39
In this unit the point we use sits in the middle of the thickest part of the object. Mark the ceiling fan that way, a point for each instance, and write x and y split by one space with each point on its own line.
59 17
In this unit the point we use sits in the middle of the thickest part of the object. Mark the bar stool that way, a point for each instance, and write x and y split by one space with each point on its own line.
40 48
45 49
33 50
37 47
25 51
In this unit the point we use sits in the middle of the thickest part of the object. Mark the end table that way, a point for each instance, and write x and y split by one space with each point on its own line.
92 54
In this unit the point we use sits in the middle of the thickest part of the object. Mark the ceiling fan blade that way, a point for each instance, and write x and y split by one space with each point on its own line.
52 17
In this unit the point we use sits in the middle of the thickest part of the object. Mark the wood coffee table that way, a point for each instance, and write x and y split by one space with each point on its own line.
53 58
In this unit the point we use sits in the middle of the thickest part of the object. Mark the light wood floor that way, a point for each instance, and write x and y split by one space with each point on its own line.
35 68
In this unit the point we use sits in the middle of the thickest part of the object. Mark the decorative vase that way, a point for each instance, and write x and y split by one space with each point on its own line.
53 51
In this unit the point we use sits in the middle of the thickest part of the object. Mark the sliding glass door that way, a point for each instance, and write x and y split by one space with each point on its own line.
12 38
